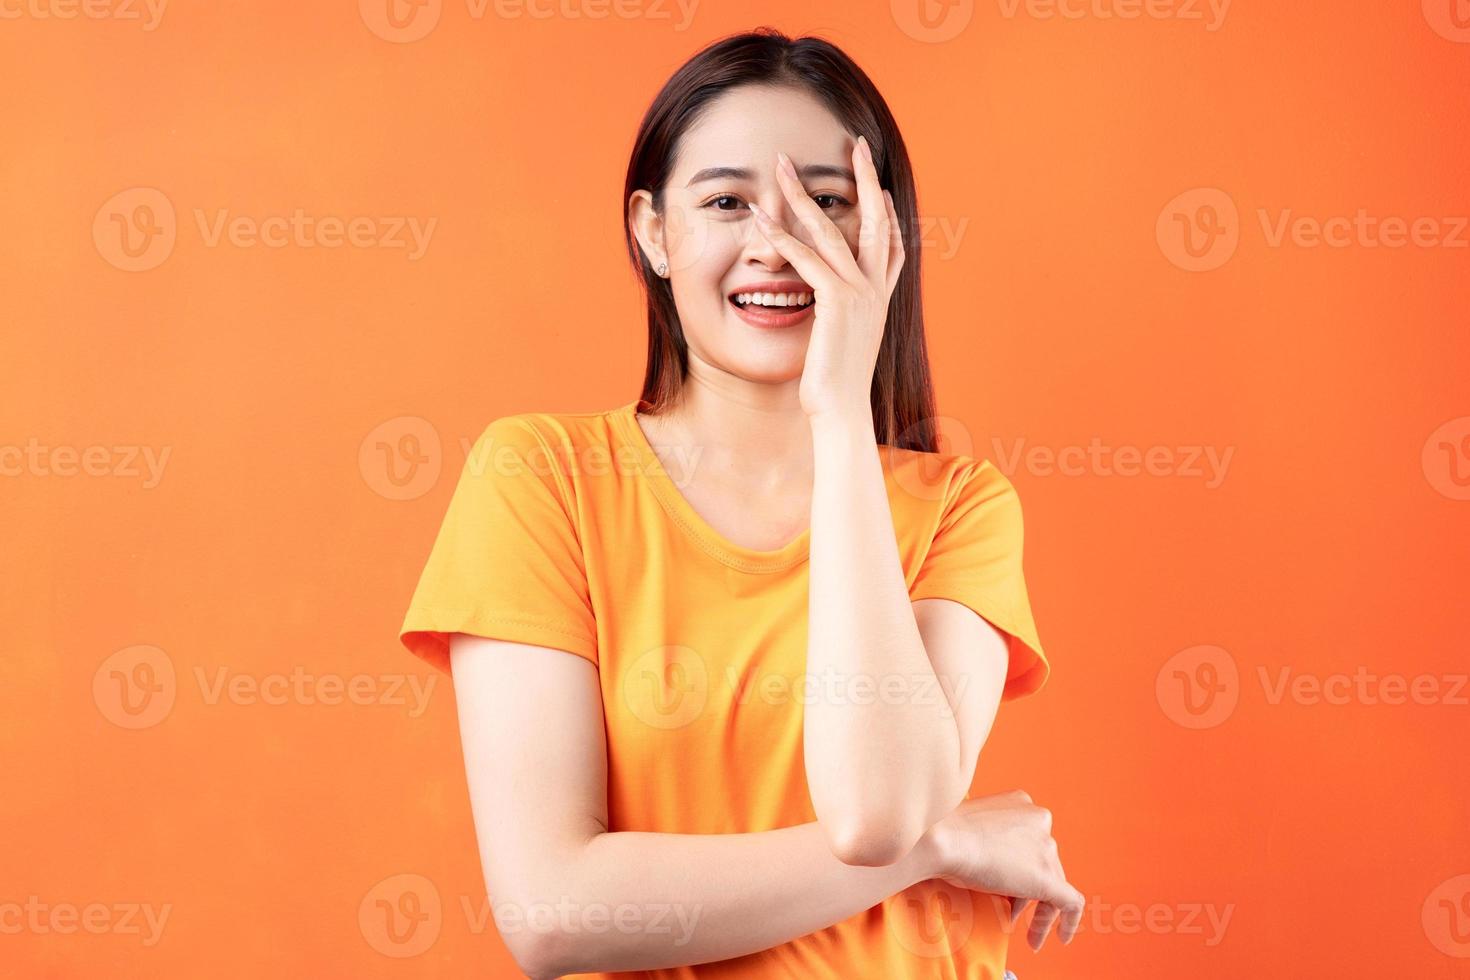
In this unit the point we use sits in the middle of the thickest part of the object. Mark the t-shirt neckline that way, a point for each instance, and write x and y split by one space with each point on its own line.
712 542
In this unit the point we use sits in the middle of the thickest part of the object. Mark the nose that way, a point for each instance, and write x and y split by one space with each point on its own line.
758 247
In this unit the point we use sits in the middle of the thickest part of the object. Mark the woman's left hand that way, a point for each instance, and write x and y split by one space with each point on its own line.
851 292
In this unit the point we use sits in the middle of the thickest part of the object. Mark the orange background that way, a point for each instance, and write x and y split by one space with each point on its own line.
1333 835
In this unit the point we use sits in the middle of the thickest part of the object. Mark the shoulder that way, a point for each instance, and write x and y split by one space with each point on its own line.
556 432
559 447
950 481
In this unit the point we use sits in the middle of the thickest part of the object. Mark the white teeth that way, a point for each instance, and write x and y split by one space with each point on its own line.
774 299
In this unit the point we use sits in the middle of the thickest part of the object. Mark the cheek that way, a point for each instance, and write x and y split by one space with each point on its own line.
688 238
851 227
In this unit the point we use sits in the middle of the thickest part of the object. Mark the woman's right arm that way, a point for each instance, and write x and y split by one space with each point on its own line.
568 895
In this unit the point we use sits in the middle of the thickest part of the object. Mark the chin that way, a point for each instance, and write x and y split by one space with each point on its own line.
767 370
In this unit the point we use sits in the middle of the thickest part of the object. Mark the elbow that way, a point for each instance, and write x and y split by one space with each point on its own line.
535 954
540 953
873 842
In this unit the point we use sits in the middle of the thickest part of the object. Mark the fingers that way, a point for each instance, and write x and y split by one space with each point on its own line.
831 244
895 244
1046 913
875 224
1071 917
1066 908
808 264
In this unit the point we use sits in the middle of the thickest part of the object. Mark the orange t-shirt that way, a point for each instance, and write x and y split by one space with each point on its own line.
565 531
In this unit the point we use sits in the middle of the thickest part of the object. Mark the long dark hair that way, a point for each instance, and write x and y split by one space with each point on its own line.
902 394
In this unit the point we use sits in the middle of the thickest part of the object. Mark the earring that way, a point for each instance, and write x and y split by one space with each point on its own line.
663 269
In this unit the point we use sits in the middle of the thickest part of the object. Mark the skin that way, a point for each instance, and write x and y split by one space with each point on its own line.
785 438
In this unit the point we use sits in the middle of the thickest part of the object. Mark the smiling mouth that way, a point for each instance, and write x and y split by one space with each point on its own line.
773 307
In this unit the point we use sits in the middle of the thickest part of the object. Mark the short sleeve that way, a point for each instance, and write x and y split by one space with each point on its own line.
975 560
507 562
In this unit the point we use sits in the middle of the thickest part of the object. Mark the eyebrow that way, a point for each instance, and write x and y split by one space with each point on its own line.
811 170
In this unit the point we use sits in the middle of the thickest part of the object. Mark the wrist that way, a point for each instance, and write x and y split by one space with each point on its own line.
928 853
846 421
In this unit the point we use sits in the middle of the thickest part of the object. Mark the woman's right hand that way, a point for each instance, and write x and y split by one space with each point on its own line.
1002 844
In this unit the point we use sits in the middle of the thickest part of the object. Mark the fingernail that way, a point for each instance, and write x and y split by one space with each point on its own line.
867 150
785 163
758 212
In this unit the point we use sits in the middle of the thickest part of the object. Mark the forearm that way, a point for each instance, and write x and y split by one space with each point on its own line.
882 747
642 901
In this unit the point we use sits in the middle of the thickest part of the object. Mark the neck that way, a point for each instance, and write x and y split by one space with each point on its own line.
751 428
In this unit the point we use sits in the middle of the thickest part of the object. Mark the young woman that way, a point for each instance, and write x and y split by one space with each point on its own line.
725 655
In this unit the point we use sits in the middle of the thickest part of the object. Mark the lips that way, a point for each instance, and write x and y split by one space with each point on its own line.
774 316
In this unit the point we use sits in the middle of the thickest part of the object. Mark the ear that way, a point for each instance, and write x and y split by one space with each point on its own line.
648 227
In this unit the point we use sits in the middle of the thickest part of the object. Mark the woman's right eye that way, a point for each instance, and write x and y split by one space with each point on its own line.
714 203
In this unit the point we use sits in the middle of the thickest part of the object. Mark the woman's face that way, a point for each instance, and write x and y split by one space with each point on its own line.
708 234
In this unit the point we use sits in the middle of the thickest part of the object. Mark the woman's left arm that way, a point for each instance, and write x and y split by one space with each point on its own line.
903 693
887 752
